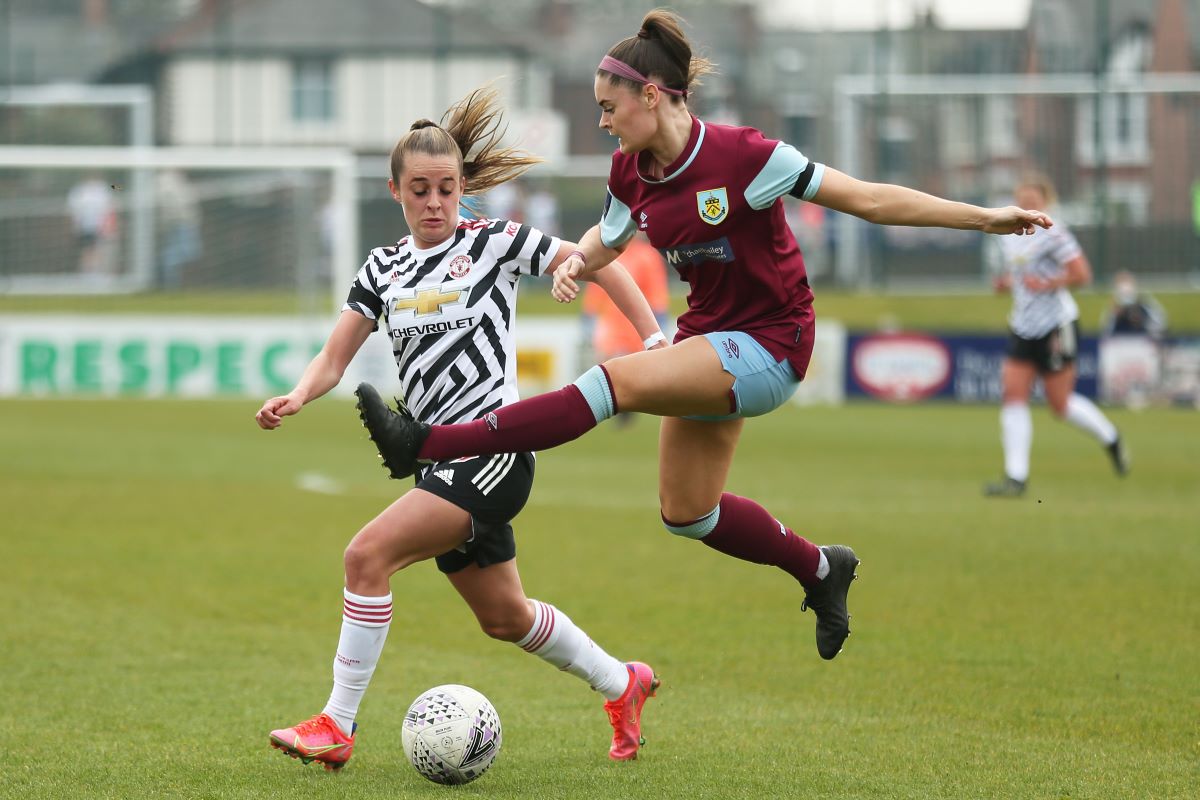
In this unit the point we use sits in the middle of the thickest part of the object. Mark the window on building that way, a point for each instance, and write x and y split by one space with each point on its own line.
313 90
1124 128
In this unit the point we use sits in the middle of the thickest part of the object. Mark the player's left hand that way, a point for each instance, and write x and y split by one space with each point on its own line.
271 415
565 288
1020 221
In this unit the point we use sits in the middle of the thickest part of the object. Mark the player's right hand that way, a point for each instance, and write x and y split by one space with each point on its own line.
1013 220
271 415
565 288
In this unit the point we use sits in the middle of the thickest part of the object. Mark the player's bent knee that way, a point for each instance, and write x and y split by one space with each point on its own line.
505 629
696 528
362 561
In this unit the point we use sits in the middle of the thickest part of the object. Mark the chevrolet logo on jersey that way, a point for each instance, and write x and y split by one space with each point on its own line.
713 205
424 302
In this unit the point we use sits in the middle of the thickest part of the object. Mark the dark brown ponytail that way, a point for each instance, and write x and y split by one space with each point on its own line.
661 52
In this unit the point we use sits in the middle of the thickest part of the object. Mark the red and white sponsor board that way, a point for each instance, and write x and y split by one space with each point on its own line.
901 367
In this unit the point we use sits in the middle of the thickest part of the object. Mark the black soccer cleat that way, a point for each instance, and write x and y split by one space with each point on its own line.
1119 457
1009 487
827 599
397 435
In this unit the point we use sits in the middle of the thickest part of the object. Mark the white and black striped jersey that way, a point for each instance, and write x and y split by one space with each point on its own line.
1035 314
450 312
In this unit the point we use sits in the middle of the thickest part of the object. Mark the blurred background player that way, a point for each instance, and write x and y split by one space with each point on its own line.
179 223
709 197
610 332
448 294
1043 342
94 222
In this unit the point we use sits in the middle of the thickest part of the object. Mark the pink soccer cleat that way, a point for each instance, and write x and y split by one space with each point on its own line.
316 739
625 713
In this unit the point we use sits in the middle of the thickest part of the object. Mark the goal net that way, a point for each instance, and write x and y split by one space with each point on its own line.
86 220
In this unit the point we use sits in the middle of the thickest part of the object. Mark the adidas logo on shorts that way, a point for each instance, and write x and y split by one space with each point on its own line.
447 475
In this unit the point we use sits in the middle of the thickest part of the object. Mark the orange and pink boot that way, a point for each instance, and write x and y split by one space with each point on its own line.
317 739
625 713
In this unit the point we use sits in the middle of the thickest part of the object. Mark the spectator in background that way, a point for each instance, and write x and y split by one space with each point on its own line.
612 335
179 226
1132 312
94 222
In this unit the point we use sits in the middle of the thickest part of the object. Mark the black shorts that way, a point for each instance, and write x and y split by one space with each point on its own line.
1053 352
493 490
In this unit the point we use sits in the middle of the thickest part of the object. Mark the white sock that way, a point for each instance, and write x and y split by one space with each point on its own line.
823 566
1083 413
1016 433
556 639
365 623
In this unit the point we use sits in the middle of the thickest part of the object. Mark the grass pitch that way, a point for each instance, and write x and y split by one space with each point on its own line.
172 576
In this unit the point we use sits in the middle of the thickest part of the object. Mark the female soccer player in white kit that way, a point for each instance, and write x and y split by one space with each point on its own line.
1040 271
448 294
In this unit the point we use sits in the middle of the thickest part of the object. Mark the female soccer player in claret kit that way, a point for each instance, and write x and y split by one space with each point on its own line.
708 197
1044 342
448 294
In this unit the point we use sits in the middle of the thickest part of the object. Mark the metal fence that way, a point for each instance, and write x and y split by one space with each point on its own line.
1125 158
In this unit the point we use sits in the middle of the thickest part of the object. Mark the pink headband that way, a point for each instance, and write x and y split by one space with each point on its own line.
620 68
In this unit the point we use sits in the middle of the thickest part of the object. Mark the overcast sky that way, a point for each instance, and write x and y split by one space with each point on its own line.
871 14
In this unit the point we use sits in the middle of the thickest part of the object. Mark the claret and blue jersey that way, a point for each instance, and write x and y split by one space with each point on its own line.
715 216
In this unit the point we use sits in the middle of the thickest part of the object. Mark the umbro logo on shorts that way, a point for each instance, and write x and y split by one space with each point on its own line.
731 348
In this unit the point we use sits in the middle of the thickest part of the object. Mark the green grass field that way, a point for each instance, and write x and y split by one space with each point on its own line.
171 593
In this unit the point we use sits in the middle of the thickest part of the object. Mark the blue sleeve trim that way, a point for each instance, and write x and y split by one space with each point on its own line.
777 177
616 225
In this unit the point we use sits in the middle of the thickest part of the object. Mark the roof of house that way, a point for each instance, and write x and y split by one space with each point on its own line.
291 26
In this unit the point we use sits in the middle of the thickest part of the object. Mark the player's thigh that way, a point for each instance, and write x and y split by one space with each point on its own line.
1059 385
416 527
496 598
680 380
1016 378
694 458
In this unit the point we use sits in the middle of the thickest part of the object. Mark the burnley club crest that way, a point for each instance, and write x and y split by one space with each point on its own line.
713 205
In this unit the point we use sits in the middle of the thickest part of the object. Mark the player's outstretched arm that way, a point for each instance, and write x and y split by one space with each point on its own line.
888 204
322 373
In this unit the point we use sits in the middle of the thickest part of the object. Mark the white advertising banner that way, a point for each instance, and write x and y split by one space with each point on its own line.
193 356
826 378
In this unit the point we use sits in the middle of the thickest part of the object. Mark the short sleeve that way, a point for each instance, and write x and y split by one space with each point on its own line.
1063 245
787 171
616 223
522 249
365 296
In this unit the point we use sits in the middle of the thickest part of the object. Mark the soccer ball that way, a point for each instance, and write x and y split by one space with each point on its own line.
451 734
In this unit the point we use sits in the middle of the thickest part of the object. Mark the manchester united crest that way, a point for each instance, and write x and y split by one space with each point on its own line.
460 266
713 205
